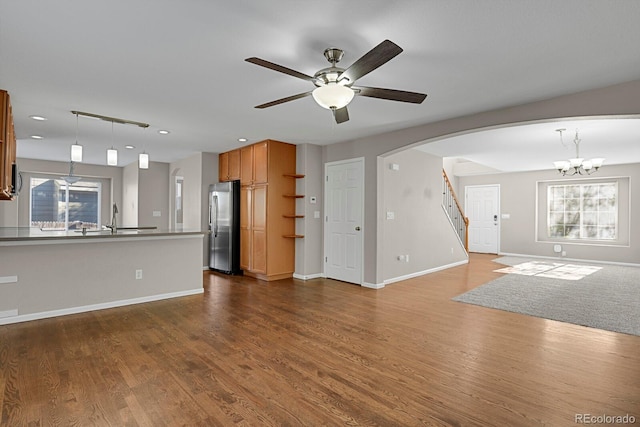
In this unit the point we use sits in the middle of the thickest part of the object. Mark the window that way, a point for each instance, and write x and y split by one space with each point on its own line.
57 205
586 211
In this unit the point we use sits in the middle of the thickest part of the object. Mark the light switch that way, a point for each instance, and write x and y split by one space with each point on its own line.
157 213
391 215
316 214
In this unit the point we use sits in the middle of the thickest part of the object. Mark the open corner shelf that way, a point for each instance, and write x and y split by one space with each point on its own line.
294 175
293 216
294 236
295 196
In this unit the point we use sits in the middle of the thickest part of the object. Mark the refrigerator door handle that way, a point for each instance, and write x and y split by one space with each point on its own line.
210 203
215 213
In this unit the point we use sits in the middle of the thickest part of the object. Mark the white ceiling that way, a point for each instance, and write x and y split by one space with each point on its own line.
180 66
535 146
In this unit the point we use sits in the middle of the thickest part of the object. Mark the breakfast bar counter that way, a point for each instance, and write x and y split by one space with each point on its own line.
10 235
52 273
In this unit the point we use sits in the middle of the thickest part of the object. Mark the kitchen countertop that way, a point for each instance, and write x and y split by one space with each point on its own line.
32 234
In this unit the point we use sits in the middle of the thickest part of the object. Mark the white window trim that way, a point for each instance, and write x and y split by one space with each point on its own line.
48 176
582 184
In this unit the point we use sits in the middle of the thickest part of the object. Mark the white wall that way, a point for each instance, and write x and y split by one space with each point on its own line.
309 250
81 274
190 169
153 196
145 191
420 228
129 206
199 171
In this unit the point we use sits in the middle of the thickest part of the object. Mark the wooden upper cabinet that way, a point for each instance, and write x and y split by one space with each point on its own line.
234 165
229 166
260 163
7 147
254 163
223 167
246 165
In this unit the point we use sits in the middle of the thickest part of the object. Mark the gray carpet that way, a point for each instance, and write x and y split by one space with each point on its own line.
607 299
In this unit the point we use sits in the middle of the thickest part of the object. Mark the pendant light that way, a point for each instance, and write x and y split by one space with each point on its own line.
76 149
112 153
143 161
112 157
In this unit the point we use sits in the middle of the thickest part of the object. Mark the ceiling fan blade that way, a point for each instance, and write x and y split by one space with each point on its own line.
390 94
279 68
371 60
341 114
283 100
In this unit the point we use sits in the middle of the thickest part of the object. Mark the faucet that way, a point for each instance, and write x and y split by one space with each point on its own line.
114 223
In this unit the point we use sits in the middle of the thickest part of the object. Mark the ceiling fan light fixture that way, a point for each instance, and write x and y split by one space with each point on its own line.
333 96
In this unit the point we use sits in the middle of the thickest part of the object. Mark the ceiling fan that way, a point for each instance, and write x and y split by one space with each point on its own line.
335 86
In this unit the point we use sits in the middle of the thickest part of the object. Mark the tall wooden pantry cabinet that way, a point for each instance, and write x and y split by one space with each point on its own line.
267 209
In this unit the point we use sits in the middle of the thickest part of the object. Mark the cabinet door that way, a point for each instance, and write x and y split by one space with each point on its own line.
234 165
259 229
245 228
260 163
7 146
246 165
223 167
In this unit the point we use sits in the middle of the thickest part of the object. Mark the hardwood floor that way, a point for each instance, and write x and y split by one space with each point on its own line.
319 352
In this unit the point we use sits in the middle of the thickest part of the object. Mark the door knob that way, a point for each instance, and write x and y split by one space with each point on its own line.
357 228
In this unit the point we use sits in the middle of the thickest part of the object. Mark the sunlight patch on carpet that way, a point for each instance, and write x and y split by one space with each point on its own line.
552 270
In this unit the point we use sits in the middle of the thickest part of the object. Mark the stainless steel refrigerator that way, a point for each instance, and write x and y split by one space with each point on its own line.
224 227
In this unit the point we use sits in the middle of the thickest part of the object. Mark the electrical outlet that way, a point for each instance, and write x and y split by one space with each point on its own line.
138 274
400 257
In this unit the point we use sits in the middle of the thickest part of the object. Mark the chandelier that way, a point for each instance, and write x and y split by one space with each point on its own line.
577 165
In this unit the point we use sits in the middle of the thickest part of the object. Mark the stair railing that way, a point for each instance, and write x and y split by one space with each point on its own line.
454 211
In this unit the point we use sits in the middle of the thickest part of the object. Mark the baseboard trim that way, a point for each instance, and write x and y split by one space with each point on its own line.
424 272
102 306
594 261
8 313
372 285
308 276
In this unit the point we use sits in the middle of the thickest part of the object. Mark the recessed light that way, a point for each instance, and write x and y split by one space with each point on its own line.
163 132
242 139
129 147
36 137
39 118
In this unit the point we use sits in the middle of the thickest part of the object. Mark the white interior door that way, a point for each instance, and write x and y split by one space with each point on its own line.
344 182
482 206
